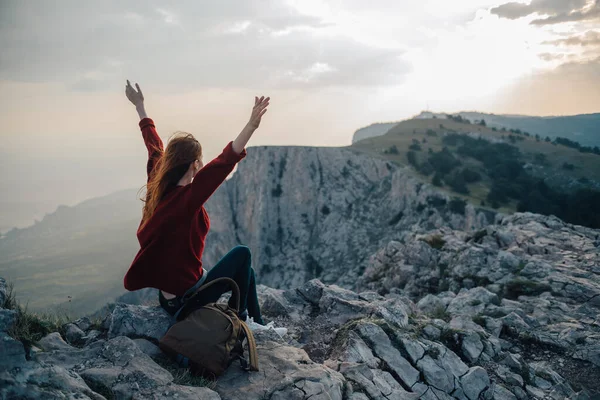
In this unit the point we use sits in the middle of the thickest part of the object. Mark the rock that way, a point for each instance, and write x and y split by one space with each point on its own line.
138 322
394 311
502 393
472 346
178 392
73 334
435 375
509 377
472 301
3 292
377 383
83 323
149 348
515 323
67 356
383 348
285 372
91 336
430 303
414 349
475 382
312 291
535 392
53 341
13 352
432 332
513 361
46 382
7 319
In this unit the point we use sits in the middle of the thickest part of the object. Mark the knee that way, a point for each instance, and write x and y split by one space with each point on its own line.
243 252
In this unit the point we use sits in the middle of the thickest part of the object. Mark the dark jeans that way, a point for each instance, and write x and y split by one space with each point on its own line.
235 265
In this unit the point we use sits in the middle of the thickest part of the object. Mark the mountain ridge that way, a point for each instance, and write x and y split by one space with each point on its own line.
561 126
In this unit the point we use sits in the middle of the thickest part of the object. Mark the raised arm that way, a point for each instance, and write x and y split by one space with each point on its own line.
210 177
151 139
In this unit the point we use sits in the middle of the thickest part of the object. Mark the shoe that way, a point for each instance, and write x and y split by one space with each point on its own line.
258 327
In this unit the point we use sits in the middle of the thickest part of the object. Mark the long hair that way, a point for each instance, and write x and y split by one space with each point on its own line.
170 166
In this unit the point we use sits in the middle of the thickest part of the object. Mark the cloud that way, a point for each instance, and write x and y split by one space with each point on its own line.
593 13
230 43
557 11
590 38
551 56
570 88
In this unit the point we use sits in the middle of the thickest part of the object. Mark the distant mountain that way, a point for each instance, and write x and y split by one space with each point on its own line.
584 129
75 256
372 130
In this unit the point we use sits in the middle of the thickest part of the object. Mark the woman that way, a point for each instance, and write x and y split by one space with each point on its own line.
175 224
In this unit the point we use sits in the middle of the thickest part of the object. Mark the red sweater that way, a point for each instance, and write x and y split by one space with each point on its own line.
172 242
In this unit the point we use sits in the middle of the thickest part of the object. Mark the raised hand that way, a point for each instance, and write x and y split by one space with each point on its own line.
259 109
135 97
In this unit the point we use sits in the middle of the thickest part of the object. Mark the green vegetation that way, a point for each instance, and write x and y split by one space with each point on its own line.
479 320
511 182
440 313
574 145
30 327
185 376
391 150
473 160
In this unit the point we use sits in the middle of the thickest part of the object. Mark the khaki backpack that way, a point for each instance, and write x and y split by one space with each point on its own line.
210 338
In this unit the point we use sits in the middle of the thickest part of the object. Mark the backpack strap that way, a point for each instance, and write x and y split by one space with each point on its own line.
235 292
252 353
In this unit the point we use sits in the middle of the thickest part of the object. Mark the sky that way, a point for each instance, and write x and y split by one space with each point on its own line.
330 68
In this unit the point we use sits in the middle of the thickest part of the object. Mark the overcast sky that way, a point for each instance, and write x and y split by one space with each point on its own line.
330 67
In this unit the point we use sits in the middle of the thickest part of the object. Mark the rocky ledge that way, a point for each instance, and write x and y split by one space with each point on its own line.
340 345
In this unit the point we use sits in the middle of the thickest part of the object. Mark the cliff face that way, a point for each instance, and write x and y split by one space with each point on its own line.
309 212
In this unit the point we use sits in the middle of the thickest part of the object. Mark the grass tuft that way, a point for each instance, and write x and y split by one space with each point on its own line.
185 376
29 327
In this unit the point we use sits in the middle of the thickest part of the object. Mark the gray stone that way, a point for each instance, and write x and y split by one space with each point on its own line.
353 350
47 382
475 382
435 375
414 349
501 393
3 292
13 352
284 370
73 334
149 348
380 343
509 377
472 346
535 392
7 319
138 322
53 341
69 357
513 361
394 311
432 332
472 301
430 303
